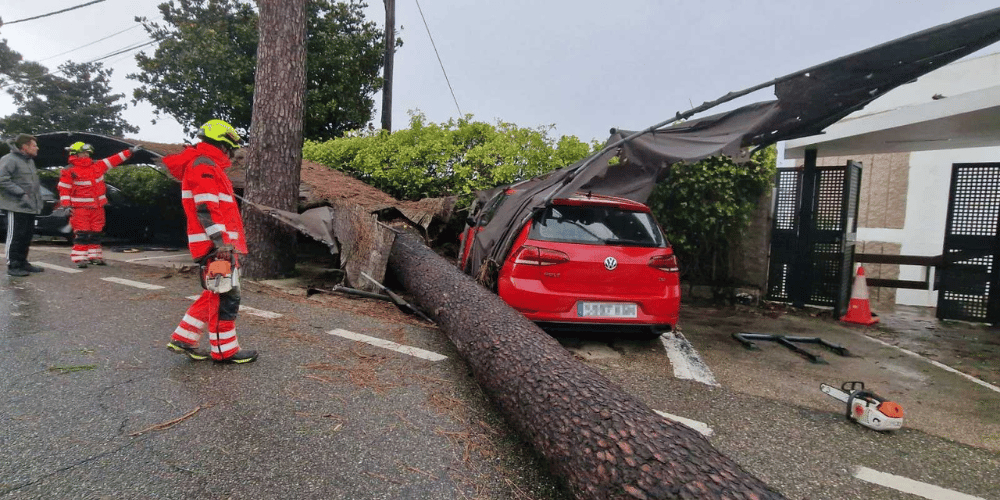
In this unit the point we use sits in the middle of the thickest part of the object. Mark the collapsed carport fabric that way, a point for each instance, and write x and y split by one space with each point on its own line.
808 101
52 148
348 229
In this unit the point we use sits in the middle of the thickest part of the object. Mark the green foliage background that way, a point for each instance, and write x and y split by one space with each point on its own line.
458 157
80 99
149 186
205 63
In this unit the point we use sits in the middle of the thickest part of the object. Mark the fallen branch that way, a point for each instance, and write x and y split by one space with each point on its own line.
170 423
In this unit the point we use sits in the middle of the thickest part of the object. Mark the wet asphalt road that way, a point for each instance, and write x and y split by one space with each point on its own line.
94 406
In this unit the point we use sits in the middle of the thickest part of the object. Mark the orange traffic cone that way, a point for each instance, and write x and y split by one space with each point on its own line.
858 311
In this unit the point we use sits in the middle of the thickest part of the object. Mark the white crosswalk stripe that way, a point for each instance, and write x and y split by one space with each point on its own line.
388 344
136 284
701 427
54 267
907 485
250 310
685 359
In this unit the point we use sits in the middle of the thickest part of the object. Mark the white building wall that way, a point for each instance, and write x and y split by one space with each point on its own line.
927 213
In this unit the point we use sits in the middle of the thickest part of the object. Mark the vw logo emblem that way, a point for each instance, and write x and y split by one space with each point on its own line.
610 263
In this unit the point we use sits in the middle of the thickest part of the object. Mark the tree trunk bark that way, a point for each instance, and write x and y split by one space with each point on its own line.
275 157
603 443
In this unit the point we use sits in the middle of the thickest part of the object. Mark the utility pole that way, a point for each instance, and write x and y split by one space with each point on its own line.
390 48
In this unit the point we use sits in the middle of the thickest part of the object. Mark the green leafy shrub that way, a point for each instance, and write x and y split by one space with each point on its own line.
458 157
705 207
148 186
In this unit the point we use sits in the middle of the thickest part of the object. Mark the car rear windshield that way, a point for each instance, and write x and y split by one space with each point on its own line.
597 226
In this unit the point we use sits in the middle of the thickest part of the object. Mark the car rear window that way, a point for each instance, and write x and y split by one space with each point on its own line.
597 226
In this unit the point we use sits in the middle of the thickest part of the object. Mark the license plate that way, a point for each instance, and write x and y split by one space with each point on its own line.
605 310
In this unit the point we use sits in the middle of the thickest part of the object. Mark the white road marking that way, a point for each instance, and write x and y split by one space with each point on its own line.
259 312
685 359
910 486
57 268
153 258
137 284
701 427
250 310
937 364
388 344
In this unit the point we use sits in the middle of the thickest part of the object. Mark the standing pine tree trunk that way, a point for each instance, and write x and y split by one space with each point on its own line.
275 153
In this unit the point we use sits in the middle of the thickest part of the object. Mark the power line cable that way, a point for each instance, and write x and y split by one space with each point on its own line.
52 13
124 50
439 59
89 44
59 71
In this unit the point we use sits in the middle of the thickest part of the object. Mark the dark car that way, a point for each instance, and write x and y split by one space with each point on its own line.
125 219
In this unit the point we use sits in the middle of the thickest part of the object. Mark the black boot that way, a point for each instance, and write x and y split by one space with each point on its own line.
241 356
17 271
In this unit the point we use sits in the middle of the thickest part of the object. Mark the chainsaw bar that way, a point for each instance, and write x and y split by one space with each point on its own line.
835 393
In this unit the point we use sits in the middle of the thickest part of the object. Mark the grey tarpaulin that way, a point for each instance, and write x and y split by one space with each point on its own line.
52 148
807 102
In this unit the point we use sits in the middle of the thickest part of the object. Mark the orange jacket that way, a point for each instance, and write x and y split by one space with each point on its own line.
213 217
82 183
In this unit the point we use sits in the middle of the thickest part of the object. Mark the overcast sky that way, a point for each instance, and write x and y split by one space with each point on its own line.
581 65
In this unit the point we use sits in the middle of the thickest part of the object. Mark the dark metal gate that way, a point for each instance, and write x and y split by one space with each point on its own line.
970 275
813 263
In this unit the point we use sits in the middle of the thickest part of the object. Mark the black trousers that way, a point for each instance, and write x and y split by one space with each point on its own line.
20 229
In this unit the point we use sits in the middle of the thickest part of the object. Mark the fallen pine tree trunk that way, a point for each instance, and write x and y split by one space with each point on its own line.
602 442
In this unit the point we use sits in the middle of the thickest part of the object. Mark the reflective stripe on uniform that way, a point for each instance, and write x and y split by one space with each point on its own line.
194 337
206 197
195 322
224 342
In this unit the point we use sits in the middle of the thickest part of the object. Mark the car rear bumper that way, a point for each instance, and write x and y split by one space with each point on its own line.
530 298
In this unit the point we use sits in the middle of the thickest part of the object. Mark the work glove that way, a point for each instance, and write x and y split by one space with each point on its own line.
135 148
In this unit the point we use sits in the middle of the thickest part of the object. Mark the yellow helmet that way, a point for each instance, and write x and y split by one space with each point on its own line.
80 147
218 130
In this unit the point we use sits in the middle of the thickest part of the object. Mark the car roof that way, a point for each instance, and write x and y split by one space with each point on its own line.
597 200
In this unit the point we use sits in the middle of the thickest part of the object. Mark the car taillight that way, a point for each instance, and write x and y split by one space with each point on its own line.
534 256
666 263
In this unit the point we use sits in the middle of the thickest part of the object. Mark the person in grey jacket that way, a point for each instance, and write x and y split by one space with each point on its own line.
21 198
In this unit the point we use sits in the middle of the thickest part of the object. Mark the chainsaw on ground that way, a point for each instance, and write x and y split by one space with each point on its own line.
867 408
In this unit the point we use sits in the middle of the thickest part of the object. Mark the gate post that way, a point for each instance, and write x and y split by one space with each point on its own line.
801 279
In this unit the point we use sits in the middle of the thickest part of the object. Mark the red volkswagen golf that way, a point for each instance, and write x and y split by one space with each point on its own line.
593 261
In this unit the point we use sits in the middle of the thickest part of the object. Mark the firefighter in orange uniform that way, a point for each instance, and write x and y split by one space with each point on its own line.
215 237
82 189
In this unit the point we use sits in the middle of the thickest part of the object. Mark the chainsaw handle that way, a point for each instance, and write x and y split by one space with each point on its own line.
850 387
